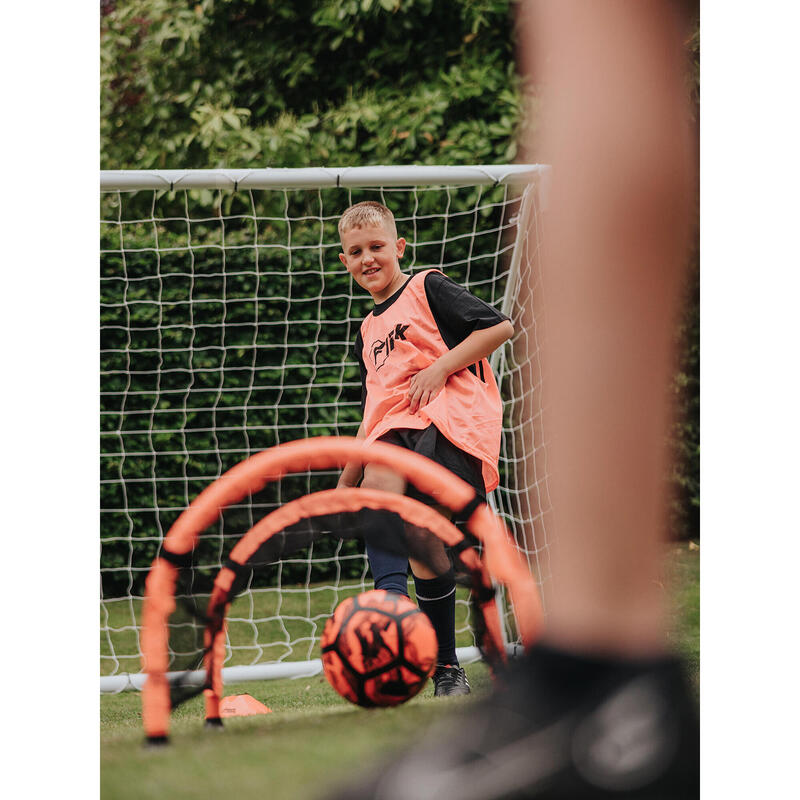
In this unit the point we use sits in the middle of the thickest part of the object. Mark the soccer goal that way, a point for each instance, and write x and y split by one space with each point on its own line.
227 326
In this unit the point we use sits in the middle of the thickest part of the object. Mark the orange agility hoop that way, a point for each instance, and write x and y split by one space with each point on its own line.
498 558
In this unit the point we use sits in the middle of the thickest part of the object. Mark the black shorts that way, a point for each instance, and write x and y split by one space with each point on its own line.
432 444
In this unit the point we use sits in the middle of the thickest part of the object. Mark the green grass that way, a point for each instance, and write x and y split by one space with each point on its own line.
313 738
683 584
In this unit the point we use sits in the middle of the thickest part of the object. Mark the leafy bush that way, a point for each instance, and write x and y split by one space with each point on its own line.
340 82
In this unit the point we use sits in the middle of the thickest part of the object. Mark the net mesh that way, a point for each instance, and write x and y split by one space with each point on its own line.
227 327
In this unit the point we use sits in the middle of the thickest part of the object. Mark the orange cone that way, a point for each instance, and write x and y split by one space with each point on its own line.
241 705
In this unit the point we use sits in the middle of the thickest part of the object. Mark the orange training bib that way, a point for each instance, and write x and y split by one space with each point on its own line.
405 339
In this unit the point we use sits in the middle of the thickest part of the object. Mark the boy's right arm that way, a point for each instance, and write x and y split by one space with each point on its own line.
353 470
351 474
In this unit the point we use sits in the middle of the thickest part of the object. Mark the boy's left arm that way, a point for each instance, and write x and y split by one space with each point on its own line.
428 382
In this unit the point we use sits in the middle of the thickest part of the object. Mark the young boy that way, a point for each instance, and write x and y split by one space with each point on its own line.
426 386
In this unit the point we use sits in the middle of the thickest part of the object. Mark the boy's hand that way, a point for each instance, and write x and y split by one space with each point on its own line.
425 385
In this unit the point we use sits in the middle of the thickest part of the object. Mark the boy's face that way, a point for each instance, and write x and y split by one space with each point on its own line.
372 256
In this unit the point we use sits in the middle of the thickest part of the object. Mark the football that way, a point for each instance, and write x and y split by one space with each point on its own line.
378 649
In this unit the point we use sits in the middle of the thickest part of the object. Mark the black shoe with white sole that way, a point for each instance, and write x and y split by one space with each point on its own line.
449 681
560 727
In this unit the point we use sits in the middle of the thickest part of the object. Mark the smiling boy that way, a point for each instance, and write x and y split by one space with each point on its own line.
426 386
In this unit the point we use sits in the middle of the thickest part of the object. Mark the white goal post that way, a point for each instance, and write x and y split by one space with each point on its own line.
227 325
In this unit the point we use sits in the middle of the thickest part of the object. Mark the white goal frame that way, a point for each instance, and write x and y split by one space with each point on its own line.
527 185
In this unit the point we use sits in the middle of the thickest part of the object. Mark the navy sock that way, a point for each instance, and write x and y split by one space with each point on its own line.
389 569
437 598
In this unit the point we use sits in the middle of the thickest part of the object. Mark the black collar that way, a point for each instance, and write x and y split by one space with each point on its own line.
381 307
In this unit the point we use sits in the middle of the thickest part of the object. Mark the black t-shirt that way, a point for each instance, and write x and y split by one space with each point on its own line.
457 314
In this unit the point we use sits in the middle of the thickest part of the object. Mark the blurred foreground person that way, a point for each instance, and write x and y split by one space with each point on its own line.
599 708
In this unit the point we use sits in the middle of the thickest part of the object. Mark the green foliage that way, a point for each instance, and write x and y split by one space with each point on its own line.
341 82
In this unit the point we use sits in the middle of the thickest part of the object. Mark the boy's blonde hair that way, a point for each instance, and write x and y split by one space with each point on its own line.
367 213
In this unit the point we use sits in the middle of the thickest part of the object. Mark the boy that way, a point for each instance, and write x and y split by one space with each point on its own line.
426 386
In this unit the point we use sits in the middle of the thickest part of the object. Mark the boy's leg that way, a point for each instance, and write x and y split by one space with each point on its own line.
389 569
435 588
435 580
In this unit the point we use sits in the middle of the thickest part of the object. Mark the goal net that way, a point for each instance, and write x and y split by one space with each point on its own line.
227 326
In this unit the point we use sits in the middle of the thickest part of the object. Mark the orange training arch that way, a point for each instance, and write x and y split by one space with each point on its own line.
322 452
251 475
332 501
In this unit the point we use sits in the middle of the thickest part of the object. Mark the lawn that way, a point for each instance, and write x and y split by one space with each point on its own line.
312 738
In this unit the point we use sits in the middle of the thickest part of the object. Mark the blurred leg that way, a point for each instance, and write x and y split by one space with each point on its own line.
617 230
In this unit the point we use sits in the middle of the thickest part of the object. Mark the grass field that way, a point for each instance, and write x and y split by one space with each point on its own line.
313 738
